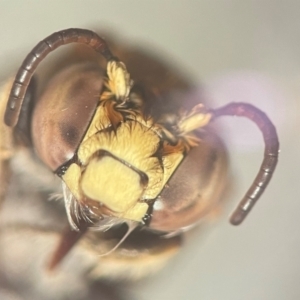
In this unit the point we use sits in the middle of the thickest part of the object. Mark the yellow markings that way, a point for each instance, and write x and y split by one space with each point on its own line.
100 121
171 163
112 183
119 79
133 143
193 122
136 213
6 133
71 179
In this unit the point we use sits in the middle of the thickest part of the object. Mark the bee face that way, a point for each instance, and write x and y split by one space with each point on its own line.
123 152
138 155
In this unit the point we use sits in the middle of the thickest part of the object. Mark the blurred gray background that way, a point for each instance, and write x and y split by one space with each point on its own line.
239 51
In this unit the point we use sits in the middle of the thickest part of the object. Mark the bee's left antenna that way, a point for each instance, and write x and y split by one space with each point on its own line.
269 163
37 54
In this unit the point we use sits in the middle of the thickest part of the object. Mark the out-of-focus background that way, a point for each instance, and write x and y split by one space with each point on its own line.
238 51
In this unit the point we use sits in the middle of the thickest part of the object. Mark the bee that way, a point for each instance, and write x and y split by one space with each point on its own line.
135 161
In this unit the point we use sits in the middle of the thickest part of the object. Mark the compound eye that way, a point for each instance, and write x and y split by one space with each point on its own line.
64 112
194 188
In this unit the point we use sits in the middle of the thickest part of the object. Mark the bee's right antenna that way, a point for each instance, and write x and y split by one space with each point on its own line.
270 156
38 53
